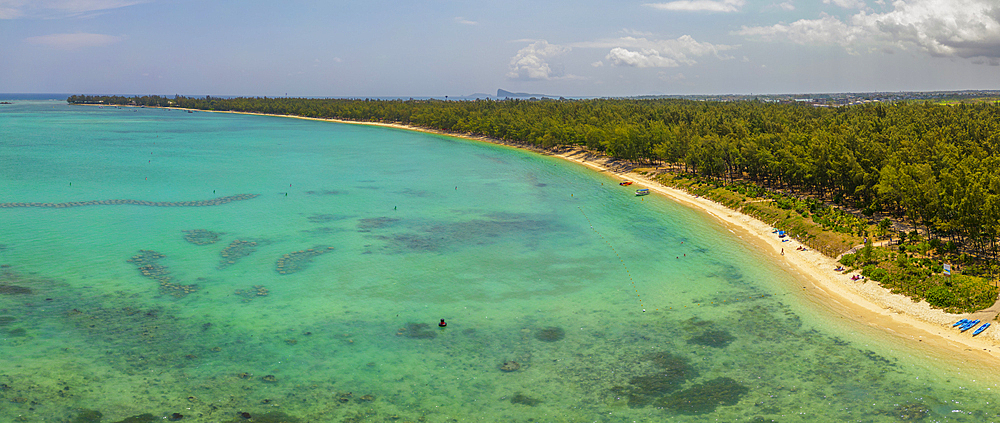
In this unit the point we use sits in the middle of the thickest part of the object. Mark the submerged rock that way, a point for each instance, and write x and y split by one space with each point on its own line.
524 400
714 338
550 334
704 397
510 366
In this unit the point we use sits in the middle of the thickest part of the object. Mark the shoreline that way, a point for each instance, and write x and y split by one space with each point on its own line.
862 301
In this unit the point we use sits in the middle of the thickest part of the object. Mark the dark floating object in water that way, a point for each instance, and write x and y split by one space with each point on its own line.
202 236
175 417
524 399
203 203
551 334
713 338
236 251
148 263
704 397
299 260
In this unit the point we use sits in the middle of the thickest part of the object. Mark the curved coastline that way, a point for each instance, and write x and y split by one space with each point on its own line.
864 302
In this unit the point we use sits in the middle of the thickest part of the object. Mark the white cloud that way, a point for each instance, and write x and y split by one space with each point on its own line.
700 5
464 21
13 9
646 58
847 4
647 53
74 41
787 6
530 64
942 28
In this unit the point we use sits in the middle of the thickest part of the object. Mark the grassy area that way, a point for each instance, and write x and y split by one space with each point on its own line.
915 268
912 268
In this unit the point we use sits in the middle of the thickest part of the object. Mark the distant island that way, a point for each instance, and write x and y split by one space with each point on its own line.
508 94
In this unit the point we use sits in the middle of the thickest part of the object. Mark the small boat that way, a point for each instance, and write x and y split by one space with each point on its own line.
781 234
970 325
981 329
960 322
625 183
641 192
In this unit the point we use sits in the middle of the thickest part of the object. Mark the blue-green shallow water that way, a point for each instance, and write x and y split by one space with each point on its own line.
503 244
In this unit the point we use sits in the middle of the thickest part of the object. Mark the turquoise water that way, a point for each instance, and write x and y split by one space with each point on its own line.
318 298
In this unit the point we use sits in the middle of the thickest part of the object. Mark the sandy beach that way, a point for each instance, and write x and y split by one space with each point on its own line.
863 301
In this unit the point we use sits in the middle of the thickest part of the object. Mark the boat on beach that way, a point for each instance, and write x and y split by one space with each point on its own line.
641 192
969 325
981 329
625 183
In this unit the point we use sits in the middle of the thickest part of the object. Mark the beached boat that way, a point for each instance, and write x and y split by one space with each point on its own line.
625 183
970 325
960 322
981 329
641 192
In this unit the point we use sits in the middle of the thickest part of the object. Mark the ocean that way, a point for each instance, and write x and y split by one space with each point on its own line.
209 267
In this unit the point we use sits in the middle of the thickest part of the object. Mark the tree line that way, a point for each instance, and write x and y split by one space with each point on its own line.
937 166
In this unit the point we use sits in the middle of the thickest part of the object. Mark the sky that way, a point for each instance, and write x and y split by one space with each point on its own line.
578 48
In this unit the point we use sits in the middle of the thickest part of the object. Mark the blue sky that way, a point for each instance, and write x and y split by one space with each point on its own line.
443 47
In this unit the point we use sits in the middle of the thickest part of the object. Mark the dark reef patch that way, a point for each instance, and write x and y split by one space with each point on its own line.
148 264
142 418
272 417
6 320
202 203
419 331
325 192
367 224
550 334
715 338
673 372
524 400
14 290
443 236
704 397
322 218
202 236
88 416
299 260
235 252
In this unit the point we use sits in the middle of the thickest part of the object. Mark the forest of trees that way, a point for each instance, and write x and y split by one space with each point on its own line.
936 166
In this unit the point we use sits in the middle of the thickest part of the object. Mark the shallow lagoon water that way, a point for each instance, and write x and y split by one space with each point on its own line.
319 298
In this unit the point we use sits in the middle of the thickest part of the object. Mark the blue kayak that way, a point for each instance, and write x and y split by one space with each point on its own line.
960 322
981 329
970 325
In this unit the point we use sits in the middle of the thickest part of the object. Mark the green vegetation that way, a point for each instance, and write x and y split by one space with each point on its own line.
914 268
935 166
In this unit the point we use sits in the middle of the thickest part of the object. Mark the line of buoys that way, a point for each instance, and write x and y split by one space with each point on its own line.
118 202
619 257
